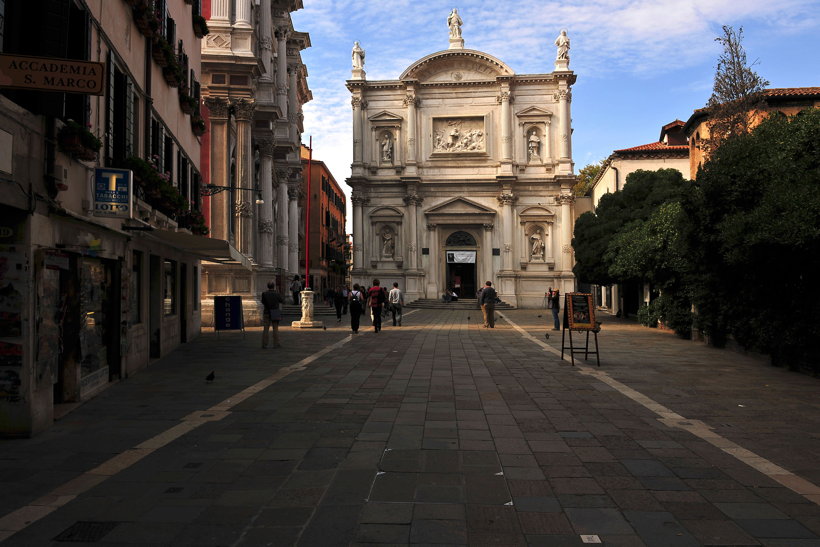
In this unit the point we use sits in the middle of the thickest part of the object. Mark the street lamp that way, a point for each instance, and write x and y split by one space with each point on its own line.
213 189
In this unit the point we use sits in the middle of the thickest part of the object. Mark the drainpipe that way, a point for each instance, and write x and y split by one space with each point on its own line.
617 176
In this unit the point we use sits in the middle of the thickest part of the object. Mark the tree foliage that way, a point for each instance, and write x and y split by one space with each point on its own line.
737 94
755 239
585 177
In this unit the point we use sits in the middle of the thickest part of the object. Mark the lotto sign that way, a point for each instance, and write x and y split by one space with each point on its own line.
112 192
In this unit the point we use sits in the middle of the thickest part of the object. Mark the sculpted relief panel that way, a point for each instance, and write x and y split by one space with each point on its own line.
459 135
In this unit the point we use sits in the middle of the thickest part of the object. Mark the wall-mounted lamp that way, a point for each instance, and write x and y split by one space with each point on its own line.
213 189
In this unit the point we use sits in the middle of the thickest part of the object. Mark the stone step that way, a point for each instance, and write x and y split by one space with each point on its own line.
460 304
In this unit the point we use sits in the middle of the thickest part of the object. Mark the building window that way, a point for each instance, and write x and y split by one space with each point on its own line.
168 157
136 288
169 300
121 114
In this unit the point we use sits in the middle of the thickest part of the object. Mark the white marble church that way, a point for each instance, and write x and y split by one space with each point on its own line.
462 173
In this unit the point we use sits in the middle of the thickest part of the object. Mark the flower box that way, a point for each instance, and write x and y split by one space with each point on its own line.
171 75
200 26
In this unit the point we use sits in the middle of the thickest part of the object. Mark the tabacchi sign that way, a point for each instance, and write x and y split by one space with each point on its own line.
48 74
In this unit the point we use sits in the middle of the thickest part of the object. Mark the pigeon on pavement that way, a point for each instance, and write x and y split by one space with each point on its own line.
210 378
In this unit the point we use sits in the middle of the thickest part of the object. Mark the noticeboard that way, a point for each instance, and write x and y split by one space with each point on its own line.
228 313
580 313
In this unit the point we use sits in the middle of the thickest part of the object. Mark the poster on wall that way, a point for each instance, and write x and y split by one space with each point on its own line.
461 257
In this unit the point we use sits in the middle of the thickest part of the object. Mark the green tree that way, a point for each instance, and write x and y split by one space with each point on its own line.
737 93
755 243
617 213
585 177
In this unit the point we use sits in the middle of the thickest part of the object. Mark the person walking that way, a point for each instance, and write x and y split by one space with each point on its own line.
271 314
295 288
554 304
345 298
396 300
487 301
338 302
375 300
356 301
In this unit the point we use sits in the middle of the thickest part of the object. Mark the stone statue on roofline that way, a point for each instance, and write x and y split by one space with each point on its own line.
358 56
562 42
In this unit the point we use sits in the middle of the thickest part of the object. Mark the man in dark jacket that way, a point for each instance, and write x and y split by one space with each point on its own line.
487 301
271 314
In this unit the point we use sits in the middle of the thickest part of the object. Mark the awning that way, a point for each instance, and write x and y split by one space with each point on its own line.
205 248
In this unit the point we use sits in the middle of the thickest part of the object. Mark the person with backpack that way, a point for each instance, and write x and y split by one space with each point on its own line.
375 300
487 301
396 300
356 304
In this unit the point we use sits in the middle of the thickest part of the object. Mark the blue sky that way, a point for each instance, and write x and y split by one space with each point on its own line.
640 64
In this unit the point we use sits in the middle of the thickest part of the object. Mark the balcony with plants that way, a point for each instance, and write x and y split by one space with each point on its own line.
78 141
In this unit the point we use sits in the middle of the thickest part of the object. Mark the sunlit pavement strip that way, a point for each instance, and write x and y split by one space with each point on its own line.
697 428
39 508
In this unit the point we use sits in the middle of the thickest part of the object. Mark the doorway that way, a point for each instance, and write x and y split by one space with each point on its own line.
462 279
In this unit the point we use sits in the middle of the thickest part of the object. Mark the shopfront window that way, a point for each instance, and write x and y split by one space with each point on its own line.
94 288
169 301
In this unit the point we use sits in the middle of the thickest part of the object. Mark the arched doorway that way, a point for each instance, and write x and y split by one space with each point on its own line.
460 258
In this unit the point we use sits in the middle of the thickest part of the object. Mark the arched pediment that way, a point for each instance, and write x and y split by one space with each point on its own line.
536 214
385 214
456 65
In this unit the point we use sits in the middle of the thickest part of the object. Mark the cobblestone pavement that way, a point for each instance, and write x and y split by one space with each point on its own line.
437 432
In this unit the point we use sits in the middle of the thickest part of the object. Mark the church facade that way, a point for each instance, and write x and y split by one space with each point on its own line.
462 173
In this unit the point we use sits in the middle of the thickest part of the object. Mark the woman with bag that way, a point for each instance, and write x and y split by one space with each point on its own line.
271 314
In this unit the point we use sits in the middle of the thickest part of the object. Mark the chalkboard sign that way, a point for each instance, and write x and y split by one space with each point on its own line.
228 313
579 311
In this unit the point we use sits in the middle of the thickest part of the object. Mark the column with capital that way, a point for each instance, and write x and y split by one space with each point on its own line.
413 201
411 102
433 288
357 103
566 201
293 105
221 208
505 100
358 236
282 70
506 200
486 256
265 226
293 226
282 218
243 206
564 97
265 41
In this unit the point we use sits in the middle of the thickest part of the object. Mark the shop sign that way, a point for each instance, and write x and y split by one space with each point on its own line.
112 192
228 313
50 74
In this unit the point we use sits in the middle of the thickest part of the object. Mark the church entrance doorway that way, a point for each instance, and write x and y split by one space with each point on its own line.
460 257
461 278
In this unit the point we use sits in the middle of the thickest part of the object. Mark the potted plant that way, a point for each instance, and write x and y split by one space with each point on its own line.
78 141
158 50
187 103
194 221
198 125
200 26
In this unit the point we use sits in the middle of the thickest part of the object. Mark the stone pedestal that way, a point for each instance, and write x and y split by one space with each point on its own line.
307 322
358 74
456 43
561 65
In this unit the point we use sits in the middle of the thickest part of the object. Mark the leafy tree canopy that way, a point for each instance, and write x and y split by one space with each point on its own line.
585 177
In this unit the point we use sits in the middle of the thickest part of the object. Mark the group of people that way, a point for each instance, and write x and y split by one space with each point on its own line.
378 301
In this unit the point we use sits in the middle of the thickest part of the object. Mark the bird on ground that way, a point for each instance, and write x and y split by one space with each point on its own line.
539 316
324 327
210 378
468 318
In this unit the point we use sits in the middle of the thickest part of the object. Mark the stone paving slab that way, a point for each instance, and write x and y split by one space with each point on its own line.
442 433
